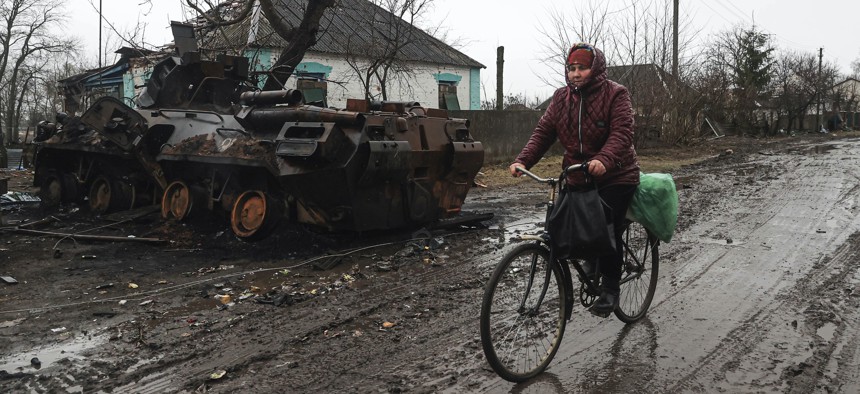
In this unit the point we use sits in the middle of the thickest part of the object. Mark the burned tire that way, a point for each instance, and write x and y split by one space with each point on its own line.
107 195
255 215
57 188
180 200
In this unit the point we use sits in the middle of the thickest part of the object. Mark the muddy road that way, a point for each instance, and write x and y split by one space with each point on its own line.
758 292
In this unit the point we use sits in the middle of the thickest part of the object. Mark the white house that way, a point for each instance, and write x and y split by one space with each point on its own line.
437 75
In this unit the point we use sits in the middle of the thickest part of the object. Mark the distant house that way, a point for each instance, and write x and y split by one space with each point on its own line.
116 80
439 76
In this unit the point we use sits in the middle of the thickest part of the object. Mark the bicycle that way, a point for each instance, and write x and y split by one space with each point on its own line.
530 296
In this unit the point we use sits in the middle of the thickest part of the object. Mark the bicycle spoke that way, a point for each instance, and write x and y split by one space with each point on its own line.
639 278
522 318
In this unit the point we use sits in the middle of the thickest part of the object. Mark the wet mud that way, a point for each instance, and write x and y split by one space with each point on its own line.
758 291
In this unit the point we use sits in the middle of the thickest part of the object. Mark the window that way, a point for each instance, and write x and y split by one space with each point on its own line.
313 88
448 90
448 95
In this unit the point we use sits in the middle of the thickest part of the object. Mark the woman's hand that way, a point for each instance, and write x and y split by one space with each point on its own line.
596 168
514 167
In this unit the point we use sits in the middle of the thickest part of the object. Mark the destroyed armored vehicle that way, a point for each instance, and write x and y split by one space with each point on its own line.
203 141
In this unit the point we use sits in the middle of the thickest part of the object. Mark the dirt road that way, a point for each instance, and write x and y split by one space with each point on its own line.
757 292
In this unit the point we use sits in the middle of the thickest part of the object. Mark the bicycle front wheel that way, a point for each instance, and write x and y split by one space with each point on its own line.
639 276
523 313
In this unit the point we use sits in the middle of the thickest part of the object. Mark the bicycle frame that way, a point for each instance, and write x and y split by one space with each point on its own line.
567 276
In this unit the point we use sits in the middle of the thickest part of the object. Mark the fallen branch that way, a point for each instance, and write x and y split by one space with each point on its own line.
87 237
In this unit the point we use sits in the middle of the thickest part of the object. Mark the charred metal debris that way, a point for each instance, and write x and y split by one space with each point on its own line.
202 141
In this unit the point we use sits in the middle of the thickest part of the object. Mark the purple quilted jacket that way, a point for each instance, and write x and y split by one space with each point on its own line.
603 110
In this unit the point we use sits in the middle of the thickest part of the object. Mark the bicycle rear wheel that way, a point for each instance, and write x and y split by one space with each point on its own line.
520 330
639 276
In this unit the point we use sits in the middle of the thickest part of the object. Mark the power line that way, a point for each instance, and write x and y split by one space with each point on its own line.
733 12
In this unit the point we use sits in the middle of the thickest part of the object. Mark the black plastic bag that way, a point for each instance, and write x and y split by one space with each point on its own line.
580 225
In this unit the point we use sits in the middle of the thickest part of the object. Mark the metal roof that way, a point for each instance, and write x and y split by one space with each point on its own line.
345 29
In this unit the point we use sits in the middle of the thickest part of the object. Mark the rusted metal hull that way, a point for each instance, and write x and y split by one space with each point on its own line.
262 159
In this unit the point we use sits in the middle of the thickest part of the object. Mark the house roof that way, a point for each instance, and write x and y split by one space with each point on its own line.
346 23
846 81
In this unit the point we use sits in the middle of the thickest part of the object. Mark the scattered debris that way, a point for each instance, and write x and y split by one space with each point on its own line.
58 329
104 286
217 375
84 237
36 362
147 302
104 313
88 257
8 279
14 198
388 324
133 285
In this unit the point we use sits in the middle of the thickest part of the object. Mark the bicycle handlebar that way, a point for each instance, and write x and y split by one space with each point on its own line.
575 167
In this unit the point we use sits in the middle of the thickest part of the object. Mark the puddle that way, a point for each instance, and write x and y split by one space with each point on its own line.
50 354
827 331
817 149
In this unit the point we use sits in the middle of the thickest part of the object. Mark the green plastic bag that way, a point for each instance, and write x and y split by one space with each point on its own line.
655 205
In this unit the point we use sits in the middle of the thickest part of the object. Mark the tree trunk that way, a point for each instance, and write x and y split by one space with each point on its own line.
299 40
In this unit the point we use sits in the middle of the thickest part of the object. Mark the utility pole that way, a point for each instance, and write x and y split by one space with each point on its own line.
500 68
818 90
675 40
100 33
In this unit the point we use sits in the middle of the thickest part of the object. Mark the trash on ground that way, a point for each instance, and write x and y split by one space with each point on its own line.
388 324
36 362
8 279
88 257
224 298
132 285
58 329
104 286
18 198
217 374
147 302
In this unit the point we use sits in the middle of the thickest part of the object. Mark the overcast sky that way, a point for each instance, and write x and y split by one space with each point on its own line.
483 25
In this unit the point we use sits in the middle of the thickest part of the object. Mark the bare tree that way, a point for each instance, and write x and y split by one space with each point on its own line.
855 69
562 30
218 16
378 60
24 37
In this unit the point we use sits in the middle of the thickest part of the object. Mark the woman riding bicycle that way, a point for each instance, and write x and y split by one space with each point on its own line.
592 117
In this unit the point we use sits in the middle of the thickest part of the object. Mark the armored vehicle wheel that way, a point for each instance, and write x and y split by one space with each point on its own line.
254 215
57 188
177 201
51 192
107 196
